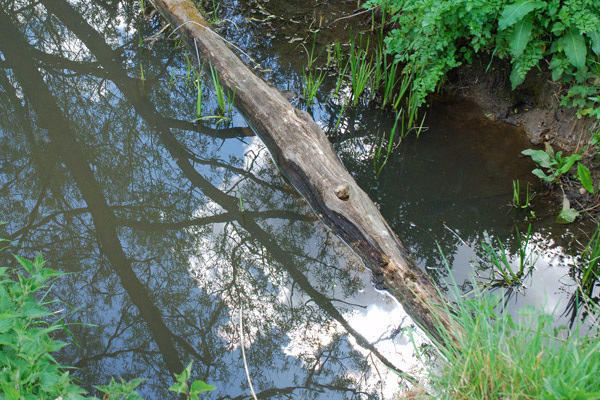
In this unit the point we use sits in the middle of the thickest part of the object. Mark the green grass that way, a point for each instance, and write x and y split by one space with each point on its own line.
501 357
529 195
311 80
342 67
378 163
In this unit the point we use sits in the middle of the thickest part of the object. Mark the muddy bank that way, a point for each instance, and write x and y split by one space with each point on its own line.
534 105
535 108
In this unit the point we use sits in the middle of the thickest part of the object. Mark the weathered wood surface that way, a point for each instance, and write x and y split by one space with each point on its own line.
305 156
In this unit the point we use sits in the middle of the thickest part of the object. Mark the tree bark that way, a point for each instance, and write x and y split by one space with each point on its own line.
305 156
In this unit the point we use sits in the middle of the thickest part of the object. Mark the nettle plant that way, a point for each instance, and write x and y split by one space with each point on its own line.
434 36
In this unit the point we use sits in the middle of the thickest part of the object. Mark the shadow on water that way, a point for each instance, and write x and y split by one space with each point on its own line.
175 230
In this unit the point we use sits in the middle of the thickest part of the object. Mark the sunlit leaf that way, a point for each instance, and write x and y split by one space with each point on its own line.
584 176
568 163
540 174
520 36
540 157
575 48
515 12
201 387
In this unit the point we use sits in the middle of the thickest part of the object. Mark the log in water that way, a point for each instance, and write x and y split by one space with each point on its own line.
305 157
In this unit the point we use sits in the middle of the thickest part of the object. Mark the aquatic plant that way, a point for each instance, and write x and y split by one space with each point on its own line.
588 264
378 164
361 69
212 16
341 68
529 195
339 119
311 83
500 260
199 86
313 80
219 91
389 83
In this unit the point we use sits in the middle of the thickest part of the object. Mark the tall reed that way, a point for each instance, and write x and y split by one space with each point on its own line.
361 69
501 263
589 265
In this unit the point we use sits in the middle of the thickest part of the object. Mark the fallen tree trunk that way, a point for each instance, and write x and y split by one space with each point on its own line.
305 156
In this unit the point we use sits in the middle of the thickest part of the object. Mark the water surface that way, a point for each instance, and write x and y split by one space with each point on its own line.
176 235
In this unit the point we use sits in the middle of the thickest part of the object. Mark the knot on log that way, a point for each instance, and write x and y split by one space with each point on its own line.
342 192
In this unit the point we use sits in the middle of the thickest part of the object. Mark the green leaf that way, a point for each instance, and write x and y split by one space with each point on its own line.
201 387
7 322
575 48
516 77
26 264
515 12
540 174
595 36
520 36
134 396
178 387
568 163
32 310
557 65
567 216
540 157
584 176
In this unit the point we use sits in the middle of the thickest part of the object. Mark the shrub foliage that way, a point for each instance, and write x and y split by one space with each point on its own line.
434 36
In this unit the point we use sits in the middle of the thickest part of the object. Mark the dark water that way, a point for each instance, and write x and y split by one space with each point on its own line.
173 231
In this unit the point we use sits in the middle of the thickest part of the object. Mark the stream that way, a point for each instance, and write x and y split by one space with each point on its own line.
182 242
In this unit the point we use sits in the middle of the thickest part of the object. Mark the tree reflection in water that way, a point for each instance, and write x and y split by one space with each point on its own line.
103 174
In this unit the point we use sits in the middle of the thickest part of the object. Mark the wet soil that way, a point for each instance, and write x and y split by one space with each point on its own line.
534 105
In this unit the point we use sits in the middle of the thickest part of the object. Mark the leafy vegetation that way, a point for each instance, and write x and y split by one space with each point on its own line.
432 37
554 164
310 78
27 368
553 167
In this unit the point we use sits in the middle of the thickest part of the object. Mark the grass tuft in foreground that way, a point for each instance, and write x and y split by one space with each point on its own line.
499 357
